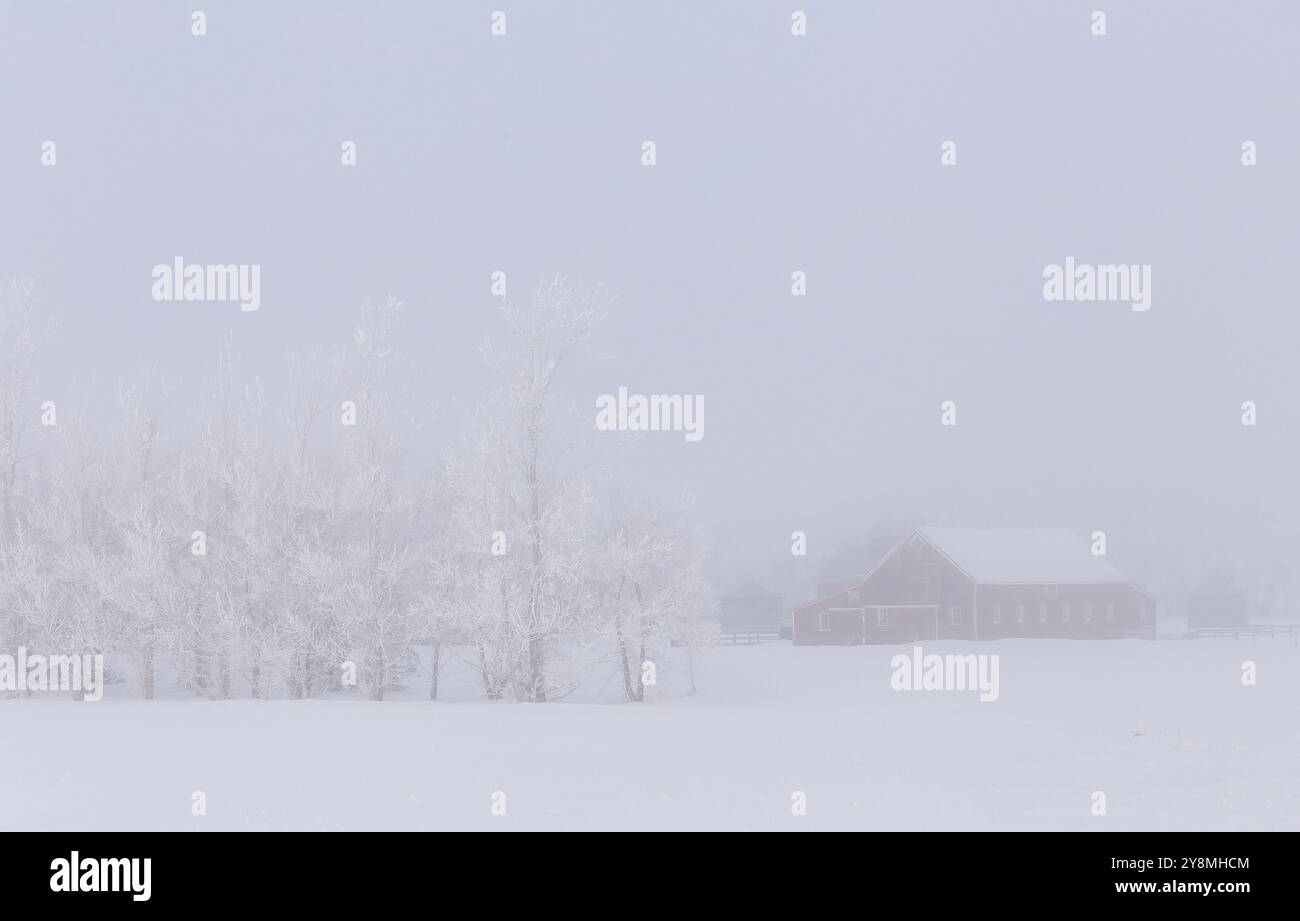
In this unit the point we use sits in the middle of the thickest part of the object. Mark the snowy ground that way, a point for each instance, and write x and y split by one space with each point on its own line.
1165 729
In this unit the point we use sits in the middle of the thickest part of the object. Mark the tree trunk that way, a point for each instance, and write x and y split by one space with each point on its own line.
375 675
536 642
79 694
493 686
638 692
627 667
298 683
433 680
146 674
483 672
640 675
195 675
537 665
223 678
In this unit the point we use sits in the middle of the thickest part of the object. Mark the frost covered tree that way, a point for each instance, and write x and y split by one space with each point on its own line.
476 589
443 595
22 329
543 511
312 397
227 518
367 569
144 542
76 520
288 530
28 596
656 595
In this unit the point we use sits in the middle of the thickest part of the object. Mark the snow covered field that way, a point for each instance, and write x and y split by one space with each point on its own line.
1165 729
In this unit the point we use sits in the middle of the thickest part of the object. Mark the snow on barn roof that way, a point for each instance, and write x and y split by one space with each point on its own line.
1006 555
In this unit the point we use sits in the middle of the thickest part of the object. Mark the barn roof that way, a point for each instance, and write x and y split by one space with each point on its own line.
1037 555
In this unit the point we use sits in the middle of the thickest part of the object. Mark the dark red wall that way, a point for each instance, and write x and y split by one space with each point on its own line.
920 581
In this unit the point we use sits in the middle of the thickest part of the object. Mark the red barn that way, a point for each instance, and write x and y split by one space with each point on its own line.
956 583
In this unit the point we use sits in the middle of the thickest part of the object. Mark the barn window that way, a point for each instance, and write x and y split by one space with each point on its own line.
1042 613
955 614
1110 612
1020 613
882 617
853 596
1065 613
916 542
823 620
997 613
1087 612
1145 611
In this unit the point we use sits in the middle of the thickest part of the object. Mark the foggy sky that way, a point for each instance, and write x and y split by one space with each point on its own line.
775 153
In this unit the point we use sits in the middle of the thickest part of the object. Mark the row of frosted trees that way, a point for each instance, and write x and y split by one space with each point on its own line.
275 543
